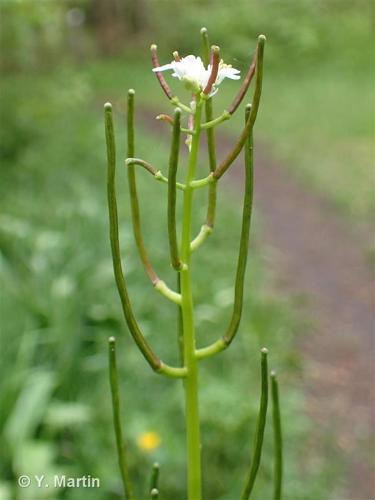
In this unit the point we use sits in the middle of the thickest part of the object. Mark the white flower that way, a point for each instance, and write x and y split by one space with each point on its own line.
191 70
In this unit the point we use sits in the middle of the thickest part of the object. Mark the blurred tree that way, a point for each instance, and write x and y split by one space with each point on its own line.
114 20
104 16
31 33
136 15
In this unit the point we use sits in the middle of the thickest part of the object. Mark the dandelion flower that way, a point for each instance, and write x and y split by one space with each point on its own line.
149 441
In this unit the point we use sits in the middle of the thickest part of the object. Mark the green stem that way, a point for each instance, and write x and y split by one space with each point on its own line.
259 433
152 170
172 173
203 234
134 203
187 131
198 183
176 102
216 121
278 466
164 289
191 380
180 328
120 444
154 476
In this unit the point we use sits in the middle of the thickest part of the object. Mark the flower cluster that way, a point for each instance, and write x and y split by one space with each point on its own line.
192 72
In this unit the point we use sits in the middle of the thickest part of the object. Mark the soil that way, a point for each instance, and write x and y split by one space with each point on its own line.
319 254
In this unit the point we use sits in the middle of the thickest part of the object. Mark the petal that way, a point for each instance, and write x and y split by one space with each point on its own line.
163 68
214 91
231 73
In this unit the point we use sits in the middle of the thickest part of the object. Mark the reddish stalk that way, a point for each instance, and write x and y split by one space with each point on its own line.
155 63
215 60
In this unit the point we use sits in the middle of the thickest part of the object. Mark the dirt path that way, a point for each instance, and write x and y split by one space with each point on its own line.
319 255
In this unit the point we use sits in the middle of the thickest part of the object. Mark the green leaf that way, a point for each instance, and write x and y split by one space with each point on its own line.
30 408
61 414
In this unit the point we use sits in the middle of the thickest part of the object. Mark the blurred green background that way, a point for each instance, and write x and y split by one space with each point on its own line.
60 61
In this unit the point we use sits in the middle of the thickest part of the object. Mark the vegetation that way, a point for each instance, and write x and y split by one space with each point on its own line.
59 304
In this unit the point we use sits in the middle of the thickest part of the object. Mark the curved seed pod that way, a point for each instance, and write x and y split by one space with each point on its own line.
142 163
226 163
215 60
155 363
277 435
172 189
155 63
134 203
120 443
245 85
244 239
259 433
115 245
225 341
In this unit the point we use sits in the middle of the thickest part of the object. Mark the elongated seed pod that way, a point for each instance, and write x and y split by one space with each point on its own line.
205 46
155 363
245 85
212 189
134 329
259 432
155 63
244 239
154 482
229 159
234 323
172 190
210 132
134 203
120 443
277 438
215 60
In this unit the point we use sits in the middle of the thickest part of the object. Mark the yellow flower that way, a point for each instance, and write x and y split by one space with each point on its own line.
148 441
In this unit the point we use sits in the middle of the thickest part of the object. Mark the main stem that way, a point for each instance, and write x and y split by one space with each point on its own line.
191 380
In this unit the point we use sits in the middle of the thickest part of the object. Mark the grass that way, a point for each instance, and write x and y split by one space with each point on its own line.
60 305
332 130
